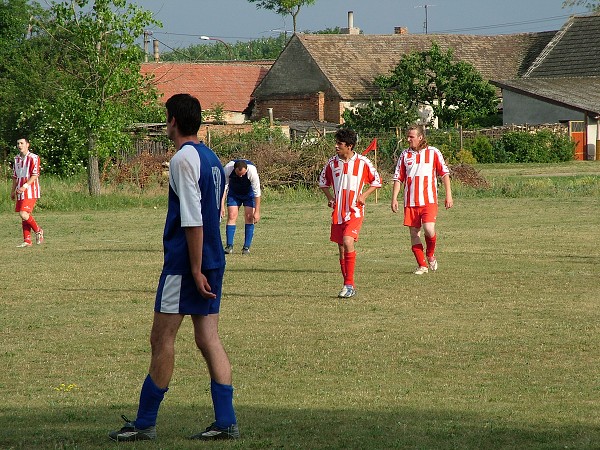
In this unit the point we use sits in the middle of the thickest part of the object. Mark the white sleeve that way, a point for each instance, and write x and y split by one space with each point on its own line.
228 169
254 180
184 173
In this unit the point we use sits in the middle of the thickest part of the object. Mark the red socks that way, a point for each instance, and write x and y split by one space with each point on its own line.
417 250
348 264
430 241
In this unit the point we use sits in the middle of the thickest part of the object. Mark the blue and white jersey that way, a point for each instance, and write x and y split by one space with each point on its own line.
244 186
196 185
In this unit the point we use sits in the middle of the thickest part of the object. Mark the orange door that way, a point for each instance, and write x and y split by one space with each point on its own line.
578 137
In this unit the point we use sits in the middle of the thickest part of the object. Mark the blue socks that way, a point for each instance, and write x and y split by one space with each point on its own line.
229 233
249 234
222 397
150 398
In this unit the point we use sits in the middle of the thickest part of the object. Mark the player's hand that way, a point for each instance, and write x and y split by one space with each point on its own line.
449 203
256 217
331 203
203 286
394 206
361 200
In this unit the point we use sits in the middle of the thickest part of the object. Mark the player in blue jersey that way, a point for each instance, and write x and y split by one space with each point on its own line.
243 189
191 279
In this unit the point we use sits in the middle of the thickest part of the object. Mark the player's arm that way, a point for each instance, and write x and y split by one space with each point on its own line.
28 183
195 237
395 192
448 203
362 197
256 209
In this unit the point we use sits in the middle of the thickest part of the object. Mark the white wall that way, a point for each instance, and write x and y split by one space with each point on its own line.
520 109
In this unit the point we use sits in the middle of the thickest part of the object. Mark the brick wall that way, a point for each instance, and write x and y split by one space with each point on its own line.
315 107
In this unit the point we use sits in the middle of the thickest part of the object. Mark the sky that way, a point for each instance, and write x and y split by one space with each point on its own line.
184 21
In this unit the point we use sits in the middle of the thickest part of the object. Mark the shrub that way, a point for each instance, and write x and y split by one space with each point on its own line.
482 149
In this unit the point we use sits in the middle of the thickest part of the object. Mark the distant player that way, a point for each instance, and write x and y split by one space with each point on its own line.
347 173
417 169
242 189
26 190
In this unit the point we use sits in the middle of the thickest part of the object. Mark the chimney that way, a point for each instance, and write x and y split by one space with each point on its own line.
350 29
400 30
155 47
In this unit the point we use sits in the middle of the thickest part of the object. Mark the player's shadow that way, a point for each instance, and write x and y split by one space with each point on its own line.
86 427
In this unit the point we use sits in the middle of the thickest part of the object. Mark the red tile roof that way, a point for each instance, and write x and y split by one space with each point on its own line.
228 83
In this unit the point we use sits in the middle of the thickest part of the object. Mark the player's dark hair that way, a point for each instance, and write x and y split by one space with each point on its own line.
25 138
240 164
347 136
187 112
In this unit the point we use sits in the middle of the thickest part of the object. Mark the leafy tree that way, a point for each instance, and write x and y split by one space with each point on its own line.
101 89
284 7
592 5
378 116
453 89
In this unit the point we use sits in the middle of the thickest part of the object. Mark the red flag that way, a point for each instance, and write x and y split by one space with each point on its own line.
372 146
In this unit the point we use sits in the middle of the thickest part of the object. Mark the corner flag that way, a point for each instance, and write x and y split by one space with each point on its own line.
372 146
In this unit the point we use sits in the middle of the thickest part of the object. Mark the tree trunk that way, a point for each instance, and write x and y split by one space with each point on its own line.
93 171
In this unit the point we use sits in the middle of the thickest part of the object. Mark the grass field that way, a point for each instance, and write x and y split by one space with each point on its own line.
496 350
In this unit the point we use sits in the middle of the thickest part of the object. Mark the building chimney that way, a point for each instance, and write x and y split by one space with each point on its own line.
155 47
400 30
350 29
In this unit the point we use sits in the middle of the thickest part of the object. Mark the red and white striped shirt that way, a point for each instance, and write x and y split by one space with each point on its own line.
24 168
418 170
348 180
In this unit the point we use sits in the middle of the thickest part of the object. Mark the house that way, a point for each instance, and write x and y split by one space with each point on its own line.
216 84
317 77
562 85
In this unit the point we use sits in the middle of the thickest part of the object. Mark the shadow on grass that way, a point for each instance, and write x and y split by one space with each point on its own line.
87 428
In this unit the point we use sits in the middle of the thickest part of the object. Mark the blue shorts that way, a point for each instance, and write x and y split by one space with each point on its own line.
178 294
239 200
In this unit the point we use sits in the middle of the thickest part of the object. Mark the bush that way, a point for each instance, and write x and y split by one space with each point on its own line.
541 147
482 149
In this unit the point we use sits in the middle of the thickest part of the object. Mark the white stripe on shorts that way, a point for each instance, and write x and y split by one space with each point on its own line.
171 294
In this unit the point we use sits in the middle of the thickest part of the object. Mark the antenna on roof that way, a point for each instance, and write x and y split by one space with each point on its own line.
425 23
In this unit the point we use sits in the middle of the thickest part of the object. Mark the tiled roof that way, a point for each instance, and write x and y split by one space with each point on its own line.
351 62
228 83
574 52
581 93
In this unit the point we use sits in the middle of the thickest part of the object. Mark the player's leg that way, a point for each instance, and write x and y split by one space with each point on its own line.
232 215
155 385
418 250
26 227
248 224
430 241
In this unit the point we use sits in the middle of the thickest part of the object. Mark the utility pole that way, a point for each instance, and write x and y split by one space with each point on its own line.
425 23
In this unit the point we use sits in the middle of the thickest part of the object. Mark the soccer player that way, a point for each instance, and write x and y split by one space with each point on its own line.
347 173
242 188
191 279
417 169
26 190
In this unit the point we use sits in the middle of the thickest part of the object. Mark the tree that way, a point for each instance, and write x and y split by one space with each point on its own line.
453 89
592 5
101 89
284 7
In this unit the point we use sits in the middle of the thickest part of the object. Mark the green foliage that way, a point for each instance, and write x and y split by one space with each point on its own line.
284 7
542 146
482 149
99 92
390 111
454 90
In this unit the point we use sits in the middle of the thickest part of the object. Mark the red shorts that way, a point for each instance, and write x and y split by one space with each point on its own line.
25 205
415 216
349 228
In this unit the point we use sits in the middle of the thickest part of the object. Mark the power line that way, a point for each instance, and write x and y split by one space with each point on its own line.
507 24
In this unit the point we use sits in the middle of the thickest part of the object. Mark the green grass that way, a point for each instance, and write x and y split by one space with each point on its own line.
498 349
